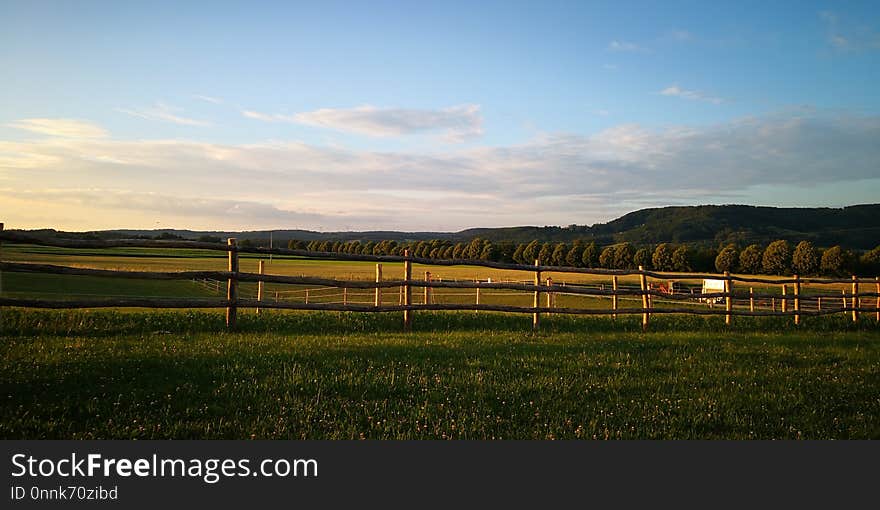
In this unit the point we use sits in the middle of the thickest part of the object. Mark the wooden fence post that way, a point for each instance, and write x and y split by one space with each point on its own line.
728 298
549 294
232 284
855 298
751 299
407 291
344 295
378 299
644 282
843 299
797 299
876 278
614 296
427 289
260 270
478 293
536 317
784 300
819 303
307 296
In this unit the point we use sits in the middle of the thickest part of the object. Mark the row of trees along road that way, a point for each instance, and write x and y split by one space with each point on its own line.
777 258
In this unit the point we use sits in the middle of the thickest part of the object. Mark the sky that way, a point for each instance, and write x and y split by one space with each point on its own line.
429 115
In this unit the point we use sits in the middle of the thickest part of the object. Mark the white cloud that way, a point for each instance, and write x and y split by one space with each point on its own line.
267 117
695 95
457 123
625 46
553 179
164 113
209 99
67 128
610 67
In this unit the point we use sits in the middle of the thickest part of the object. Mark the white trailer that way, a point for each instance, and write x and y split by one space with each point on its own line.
712 287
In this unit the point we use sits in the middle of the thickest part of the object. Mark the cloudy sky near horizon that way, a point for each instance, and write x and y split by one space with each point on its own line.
439 116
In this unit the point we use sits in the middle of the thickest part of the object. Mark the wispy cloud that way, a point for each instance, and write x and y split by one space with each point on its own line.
845 36
67 128
268 117
610 67
552 179
625 46
164 113
457 123
209 99
695 95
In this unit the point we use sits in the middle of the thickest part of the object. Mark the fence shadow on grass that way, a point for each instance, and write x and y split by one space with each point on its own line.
103 323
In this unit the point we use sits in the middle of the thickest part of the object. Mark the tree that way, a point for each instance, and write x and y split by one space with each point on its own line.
504 251
833 261
209 239
726 259
681 259
573 257
750 259
871 261
459 250
590 256
530 253
804 260
606 258
518 254
642 258
623 256
662 258
545 254
777 258
474 249
559 254
488 251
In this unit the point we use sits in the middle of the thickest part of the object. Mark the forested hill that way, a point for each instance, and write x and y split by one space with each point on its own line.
854 227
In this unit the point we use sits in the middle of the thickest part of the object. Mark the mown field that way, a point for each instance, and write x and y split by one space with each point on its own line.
157 259
104 374
156 374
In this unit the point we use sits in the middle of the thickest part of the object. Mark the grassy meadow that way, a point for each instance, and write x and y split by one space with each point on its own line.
104 374
313 375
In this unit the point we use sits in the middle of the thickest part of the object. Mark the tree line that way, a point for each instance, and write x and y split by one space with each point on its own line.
777 258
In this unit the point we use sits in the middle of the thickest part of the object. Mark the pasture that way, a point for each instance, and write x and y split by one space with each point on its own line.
458 375
320 375
33 285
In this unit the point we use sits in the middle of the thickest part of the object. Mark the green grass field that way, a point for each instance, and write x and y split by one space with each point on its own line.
86 374
44 286
137 374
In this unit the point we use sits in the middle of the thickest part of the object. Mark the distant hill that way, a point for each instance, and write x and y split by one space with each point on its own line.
855 227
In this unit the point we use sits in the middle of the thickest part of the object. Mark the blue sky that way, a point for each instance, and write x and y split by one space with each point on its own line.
443 115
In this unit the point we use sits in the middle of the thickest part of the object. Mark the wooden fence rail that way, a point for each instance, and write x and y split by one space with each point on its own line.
851 302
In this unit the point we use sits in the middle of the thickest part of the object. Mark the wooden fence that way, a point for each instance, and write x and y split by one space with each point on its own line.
853 303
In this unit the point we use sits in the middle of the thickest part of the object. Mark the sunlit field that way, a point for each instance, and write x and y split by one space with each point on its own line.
48 286
102 374
319 375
